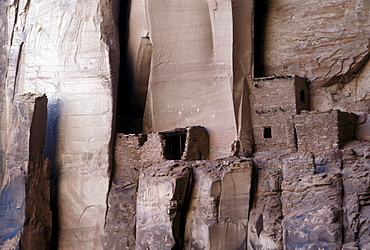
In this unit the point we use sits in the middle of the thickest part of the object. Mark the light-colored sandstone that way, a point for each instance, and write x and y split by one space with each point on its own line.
161 204
68 50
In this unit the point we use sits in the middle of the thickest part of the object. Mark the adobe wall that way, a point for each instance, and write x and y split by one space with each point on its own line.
318 132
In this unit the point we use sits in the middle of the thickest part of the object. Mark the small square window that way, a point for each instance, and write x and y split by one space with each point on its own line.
267 132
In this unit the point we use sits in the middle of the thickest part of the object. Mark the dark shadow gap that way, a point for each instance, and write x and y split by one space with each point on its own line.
260 22
125 81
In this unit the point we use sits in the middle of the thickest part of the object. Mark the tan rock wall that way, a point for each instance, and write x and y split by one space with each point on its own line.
194 45
63 49
335 32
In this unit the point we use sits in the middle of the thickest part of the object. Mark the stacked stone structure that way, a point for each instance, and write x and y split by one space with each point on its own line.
274 101
317 132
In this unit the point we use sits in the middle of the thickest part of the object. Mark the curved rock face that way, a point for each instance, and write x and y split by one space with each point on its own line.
336 33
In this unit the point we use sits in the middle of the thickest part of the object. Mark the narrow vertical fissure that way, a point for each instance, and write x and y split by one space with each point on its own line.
260 23
135 64
125 76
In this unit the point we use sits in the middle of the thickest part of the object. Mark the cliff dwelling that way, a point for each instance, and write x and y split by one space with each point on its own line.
188 124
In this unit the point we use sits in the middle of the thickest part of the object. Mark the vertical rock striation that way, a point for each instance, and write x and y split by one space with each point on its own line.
69 50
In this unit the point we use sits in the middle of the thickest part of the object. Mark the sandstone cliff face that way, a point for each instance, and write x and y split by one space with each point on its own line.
64 49
193 63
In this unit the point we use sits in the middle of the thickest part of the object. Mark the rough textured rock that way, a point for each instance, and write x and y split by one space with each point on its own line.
264 228
356 187
161 206
69 50
336 33
121 214
311 205
25 198
219 205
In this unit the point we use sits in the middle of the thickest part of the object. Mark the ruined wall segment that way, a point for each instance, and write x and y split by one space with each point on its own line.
64 49
120 222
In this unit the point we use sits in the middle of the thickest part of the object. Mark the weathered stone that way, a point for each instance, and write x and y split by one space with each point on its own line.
335 32
120 222
311 205
161 206
356 194
25 197
219 205
264 227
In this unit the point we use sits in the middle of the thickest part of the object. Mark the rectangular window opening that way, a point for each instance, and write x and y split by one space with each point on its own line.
267 132
175 144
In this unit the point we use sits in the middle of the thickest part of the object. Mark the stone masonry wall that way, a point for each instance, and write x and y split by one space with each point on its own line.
317 132
273 102
121 214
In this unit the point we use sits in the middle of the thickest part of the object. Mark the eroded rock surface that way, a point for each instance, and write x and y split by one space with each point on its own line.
219 205
25 198
161 206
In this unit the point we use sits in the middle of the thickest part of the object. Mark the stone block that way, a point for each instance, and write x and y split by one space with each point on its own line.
161 206
219 205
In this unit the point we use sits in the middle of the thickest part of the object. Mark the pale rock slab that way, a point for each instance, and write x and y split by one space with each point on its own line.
200 55
161 206
219 205
25 197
